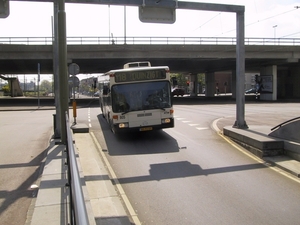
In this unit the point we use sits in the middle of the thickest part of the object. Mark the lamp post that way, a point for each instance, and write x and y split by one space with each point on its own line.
109 24
274 27
125 24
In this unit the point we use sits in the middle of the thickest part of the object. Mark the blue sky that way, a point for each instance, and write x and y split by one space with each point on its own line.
33 19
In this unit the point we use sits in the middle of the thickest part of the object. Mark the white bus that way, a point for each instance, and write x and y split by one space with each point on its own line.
136 98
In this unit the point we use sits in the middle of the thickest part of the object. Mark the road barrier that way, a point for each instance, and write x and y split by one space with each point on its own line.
78 212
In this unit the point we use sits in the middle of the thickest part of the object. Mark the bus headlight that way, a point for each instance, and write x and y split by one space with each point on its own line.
167 120
123 125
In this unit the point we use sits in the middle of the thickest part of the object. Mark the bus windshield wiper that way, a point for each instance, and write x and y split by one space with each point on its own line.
123 113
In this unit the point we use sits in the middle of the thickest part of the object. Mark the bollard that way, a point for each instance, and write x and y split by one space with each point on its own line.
74 111
54 123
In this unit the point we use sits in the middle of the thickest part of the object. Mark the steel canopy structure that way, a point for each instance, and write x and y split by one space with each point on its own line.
60 47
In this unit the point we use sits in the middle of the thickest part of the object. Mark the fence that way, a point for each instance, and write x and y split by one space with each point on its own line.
150 41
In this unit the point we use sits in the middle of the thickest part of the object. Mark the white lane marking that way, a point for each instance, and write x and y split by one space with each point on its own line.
202 128
117 183
89 117
193 124
186 121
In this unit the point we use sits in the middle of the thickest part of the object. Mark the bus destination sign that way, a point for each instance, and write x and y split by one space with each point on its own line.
140 75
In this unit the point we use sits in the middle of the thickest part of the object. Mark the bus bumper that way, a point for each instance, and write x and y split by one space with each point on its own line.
117 129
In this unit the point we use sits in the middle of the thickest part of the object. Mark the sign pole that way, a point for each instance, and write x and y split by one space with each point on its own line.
73 70
38 85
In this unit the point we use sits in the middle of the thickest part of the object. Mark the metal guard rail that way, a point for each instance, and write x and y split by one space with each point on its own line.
150 41
78 210
279 125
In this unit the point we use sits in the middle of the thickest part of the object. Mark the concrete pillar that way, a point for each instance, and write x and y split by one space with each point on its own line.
193 85
268 76
210 85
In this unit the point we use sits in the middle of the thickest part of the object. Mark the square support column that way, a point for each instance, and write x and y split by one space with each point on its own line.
268 76
210 86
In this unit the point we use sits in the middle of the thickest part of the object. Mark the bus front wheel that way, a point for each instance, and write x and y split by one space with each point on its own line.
111 124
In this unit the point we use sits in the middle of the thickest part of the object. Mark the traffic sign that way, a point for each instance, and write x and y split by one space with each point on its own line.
73 69
4 8
74 81
150 14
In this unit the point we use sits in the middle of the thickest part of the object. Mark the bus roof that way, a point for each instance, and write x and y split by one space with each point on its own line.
138 69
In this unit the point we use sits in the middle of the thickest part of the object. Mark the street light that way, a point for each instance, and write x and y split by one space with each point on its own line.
274 33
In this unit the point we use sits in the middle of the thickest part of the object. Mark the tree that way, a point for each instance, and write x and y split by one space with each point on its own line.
181 82
6 88
46 86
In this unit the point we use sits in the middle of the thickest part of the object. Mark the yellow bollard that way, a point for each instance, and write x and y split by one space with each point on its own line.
74 111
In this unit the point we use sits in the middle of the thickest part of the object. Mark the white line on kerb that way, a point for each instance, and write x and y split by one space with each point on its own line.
227 139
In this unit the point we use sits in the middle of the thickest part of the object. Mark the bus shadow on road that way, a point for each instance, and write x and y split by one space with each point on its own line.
150 142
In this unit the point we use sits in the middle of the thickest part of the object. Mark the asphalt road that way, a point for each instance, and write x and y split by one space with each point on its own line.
24 141
184 175
191 175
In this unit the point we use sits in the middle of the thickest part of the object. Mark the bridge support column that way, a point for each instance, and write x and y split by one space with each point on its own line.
210 86
268 76
193 85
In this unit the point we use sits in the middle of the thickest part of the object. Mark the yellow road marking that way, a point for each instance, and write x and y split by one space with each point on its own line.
278 170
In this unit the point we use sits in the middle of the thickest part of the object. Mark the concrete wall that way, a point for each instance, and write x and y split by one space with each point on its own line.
288 82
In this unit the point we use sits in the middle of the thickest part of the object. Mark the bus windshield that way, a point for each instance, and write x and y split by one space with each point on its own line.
141 96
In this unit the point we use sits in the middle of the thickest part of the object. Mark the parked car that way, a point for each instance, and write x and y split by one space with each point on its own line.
178 91
250 91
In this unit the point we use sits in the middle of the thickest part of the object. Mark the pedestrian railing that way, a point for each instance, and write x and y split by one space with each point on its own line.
286 122
78 212
149 41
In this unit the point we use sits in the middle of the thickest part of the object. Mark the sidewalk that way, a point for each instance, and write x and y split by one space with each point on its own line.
256 139
103 203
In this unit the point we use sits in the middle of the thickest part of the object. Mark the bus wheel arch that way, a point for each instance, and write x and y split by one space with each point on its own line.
101 106
110 122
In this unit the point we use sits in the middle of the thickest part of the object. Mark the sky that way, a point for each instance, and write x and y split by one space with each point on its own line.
263 19
33 19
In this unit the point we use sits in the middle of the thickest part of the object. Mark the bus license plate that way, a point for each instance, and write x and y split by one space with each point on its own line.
145 128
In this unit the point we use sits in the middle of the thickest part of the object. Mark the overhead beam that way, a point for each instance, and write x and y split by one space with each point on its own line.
162 3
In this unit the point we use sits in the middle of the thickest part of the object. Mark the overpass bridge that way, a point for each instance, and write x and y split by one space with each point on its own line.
191 55
20 55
